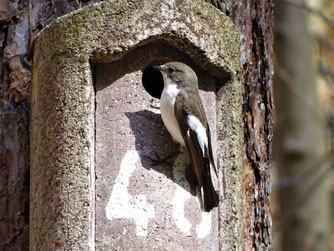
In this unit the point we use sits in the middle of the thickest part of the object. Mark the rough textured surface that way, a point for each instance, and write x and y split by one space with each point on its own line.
252 18
254 21
20 21
62 122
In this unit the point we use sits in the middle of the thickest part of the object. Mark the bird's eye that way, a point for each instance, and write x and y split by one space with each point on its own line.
170 70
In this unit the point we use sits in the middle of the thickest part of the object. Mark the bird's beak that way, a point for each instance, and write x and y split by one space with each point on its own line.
157 67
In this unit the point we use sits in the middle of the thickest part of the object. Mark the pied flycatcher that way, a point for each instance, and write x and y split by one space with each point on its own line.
183 114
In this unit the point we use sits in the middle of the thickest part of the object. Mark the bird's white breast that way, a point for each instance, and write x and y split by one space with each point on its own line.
167 103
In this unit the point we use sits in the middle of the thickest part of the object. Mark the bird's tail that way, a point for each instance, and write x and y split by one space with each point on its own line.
209 195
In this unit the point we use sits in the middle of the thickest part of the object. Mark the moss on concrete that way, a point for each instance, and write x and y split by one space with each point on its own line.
62 120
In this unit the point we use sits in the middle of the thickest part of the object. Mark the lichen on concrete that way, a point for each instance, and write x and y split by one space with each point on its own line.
62 120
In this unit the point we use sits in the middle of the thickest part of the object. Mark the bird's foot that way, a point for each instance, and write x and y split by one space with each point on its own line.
157 160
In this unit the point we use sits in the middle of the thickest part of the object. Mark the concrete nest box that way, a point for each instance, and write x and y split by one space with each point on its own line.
95 118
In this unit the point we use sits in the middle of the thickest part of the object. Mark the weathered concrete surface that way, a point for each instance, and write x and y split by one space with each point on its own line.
129 129
62 120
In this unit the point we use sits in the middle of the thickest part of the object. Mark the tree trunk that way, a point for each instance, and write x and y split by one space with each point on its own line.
254 21
20 21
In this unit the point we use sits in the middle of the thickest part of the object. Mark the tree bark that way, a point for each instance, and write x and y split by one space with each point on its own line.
20 21
254 21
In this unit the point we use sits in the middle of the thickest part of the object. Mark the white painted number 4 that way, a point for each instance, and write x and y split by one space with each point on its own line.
122 205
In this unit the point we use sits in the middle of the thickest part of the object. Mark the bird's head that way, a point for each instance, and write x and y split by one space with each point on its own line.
178 73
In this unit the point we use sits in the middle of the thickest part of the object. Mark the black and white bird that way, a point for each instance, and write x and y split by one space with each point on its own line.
183 115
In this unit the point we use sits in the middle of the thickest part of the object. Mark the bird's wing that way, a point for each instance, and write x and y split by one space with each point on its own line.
209 153
196 137
181 111
194 134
